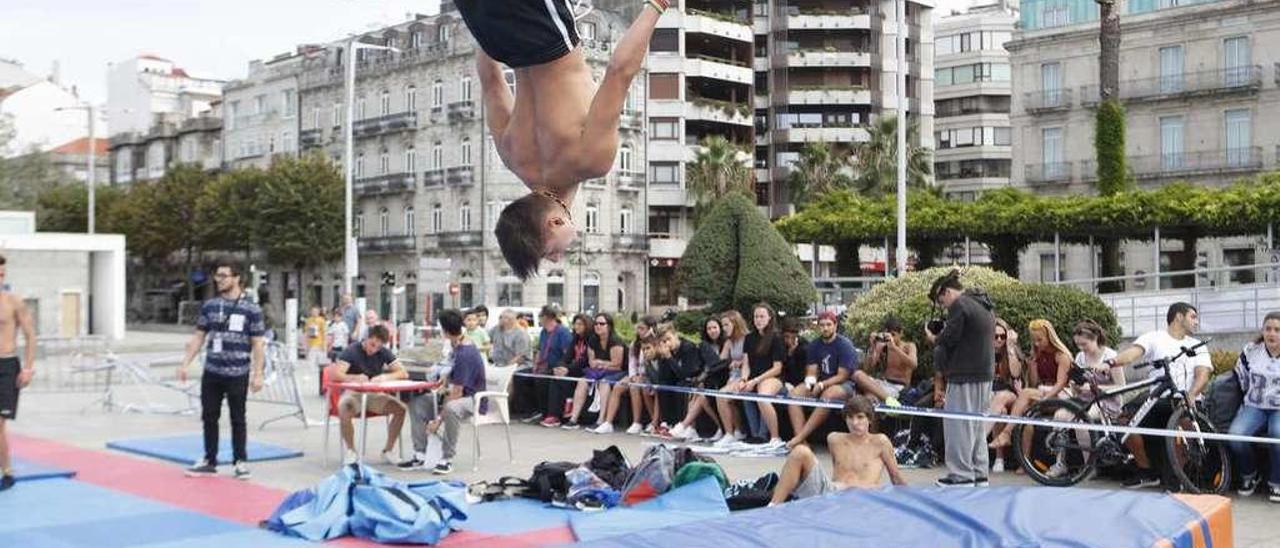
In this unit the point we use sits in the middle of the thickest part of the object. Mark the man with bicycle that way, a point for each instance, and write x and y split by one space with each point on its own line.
1189 373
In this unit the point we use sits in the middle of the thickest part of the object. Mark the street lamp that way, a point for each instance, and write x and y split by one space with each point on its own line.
93 141
901 40
350 258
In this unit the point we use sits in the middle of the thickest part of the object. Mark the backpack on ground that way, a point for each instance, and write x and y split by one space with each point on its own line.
913 449
752 493
548 482
694 471
651 477
610 465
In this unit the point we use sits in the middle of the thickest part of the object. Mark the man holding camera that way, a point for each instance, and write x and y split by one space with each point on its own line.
899 363
964 356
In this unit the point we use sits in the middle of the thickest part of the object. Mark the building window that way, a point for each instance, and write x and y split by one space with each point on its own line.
664 129
464 89
1171 156
360 108
437 94
629 105
1235 61
1047 270
411 302
1053 153
591 292
359 171
1171 64
625 220
1003 136
1239 127
464 217
286 143
664 86
664 173
411 98
437 155
1051 83
466 151
587 30
288 103
415 39
593 218
315 118
384 162
624 158
384 222
260 104
409 221
384 105
443 33
233 110
410 160
510 294
358 229
437 218
667 40
555 292
337 114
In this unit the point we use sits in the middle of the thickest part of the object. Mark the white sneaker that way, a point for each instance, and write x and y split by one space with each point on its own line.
997 466
604 428
648 429
680 432
390 458
350 457
775 443
719 435
635 428
739 435
726 441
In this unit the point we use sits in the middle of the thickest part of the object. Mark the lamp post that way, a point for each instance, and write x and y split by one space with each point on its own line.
901 40
350 257
93 142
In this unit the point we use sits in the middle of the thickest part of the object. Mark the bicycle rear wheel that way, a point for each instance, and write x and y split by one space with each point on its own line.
1054 455
1203 466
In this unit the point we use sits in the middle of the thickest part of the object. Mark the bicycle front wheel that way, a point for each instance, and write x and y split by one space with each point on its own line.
1203 466
1054 455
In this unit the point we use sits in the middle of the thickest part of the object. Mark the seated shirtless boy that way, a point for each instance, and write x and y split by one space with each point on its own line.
858 459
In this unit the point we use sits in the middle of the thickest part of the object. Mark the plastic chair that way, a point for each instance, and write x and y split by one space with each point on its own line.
498 411
332 396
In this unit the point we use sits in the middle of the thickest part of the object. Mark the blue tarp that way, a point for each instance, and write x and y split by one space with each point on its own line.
695 502
940 518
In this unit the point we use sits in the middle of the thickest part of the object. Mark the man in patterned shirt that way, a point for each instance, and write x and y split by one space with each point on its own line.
229 329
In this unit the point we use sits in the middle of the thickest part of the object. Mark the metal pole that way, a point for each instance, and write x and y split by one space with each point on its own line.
1156 267
1093 265
93 144
349 245
1270 249
1057 257
968 251
886 257
901 39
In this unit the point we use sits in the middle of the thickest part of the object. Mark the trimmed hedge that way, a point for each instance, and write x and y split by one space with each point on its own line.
1016 302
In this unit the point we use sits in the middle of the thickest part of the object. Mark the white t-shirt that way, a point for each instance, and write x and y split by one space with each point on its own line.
1102 379
339 332
1261 383
1159 344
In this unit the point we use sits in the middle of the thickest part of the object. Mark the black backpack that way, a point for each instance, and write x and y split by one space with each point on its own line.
611 466
1224 397
752 493
548 483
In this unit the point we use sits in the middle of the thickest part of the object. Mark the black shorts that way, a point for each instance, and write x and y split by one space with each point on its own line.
521 33
9 368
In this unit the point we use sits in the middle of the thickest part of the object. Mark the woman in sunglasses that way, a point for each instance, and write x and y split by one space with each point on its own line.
605 355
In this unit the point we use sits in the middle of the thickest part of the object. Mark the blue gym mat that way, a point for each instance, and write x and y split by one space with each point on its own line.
188 448
69 513
25 470
513 516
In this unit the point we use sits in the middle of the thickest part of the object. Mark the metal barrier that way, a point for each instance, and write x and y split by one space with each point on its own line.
280 385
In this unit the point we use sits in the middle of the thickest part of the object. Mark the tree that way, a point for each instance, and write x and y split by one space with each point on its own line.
876 160
821 170
718 170
168 219
1109 129
64 208
24 177
736 258
300 208
221 210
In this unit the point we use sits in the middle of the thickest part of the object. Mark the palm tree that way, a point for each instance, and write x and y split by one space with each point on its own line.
719 168
876 160
821 169
1109 125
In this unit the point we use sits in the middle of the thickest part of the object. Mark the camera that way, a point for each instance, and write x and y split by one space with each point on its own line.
936 325
882 337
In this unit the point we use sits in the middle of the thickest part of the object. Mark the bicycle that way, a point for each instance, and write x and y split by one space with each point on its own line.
1062 456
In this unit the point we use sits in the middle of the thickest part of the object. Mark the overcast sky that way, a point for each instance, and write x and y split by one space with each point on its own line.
215 38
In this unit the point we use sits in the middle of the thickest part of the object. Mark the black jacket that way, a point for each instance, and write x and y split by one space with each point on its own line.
965 351
684 364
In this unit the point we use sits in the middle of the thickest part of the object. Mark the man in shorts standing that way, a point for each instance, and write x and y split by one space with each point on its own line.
13 375
859 459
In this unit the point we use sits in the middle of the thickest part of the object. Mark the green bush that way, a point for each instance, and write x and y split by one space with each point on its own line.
624 327
1016 302
1108 142
690 322
1223 360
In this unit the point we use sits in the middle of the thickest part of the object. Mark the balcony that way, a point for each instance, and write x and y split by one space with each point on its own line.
1247 79
384 184
387 244
829 134
828 20
828 58
728 70
630 180
390 123
433 177
1055 172
632 242
310 138
460 176
719 24
632 119
664 245
455 240
829 95
714 110
1196 163
462 110
1045 101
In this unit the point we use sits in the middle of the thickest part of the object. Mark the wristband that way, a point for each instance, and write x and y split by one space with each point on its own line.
659 6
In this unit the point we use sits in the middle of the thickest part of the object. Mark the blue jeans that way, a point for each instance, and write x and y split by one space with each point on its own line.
1249 420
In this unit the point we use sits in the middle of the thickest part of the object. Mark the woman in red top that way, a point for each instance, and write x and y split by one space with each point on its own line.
1052 362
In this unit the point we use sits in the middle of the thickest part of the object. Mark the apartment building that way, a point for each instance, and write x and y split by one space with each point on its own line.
1198 80
172 139
260 111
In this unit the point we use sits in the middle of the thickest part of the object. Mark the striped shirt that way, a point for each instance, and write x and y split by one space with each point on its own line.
229 326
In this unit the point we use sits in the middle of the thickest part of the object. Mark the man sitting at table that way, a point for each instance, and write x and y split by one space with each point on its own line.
465 379
370 361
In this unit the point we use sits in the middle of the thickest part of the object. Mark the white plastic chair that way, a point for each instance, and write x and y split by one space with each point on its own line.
498 412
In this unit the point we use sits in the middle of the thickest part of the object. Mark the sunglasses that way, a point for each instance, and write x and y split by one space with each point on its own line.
1002 337
602 323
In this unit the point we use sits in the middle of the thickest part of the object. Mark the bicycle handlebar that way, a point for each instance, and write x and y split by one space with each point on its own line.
1164 362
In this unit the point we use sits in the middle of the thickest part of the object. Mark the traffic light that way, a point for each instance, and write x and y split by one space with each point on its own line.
389 278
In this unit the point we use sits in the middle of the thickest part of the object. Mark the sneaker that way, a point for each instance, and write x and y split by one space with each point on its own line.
242 471
1058 470
725 442
1274 493
719 435
350 457
571 425
892 402
981 481
604 428
1142 479
7 481
678 431
201 469
662 431
1248 484
951 480
635 428
412 464
648 430
739 435
550 422
532 418
443 467
997 466
775 443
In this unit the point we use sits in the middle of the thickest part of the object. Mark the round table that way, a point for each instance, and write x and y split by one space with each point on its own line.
386 387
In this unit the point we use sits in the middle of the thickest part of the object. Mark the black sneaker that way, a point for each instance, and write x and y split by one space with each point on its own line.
411 464
242 471
571 425
201 469
7 481
981 481
443 467
1248 485
951 480
1273 496
535 417
1142 480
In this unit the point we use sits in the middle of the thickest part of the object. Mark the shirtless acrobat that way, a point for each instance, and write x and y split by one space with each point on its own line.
14 375
560 128
858 458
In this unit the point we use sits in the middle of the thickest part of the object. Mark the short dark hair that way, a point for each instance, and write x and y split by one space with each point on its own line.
232 264
860 404
481 309
450 321
379 332
1177 309
519 232
1091 329
549 311
791 325
950 280
892 324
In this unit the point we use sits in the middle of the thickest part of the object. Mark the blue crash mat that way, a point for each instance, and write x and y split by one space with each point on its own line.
25 470
188 448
